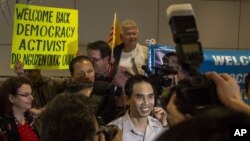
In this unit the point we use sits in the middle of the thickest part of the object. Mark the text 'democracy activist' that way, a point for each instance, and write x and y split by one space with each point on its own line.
44 37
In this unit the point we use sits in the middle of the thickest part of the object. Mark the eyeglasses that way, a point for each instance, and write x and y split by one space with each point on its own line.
26 94
96 59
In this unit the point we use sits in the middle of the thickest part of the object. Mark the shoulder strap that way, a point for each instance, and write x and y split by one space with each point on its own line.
114 71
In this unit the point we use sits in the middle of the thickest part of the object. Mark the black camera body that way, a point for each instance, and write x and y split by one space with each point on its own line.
160 78
162 72
196 92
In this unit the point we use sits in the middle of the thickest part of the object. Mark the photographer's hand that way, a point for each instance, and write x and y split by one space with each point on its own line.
228 91
175 116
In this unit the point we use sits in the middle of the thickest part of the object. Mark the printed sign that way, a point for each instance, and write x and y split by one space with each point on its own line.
44 37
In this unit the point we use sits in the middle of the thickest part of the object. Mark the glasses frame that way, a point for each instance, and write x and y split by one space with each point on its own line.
26 95
96 59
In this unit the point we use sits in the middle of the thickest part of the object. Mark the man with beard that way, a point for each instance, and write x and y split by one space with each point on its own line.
137 123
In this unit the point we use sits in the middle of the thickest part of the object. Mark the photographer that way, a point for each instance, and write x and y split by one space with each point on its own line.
170 59
197 93
214 125
227 90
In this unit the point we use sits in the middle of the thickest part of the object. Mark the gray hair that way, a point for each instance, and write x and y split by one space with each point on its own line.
126 24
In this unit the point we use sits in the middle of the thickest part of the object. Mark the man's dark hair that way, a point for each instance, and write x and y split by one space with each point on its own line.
213 125
134 80
77 59
102 46
247 81
68 117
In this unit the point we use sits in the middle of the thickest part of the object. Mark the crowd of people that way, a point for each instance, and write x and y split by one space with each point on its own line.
109 97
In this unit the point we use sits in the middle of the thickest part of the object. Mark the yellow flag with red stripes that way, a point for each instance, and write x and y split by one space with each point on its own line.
114 38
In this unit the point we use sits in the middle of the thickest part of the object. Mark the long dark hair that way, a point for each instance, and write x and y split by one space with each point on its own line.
10 87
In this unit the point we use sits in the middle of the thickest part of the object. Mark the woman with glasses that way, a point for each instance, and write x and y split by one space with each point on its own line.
15 101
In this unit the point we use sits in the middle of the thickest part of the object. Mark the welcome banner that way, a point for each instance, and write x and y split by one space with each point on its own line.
44 37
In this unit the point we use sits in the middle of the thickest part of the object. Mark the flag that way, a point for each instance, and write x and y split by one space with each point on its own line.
114 38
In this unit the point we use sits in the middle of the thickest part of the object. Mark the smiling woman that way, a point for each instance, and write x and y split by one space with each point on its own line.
15 101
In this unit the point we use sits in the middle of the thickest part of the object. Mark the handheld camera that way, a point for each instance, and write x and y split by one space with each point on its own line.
195 93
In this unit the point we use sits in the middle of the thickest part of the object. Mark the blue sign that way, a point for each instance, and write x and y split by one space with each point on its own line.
235 63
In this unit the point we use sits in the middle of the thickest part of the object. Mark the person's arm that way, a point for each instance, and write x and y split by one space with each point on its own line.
60 83
35 113
18 68
228 91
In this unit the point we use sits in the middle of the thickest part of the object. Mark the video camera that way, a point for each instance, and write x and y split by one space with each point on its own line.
196 92
160 77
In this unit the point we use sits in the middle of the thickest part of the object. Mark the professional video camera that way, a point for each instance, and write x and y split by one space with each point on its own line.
160 74
160 77
196 92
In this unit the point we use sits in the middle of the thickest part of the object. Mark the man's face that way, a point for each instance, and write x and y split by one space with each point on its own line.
142 100
173 62
130 36
83 71
100 64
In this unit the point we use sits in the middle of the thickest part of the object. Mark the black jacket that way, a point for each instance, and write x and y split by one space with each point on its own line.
9 130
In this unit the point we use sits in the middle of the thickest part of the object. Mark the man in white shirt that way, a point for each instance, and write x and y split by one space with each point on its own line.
131 54
137 124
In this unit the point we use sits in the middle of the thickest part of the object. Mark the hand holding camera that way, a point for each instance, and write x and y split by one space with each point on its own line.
227 90
196 92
